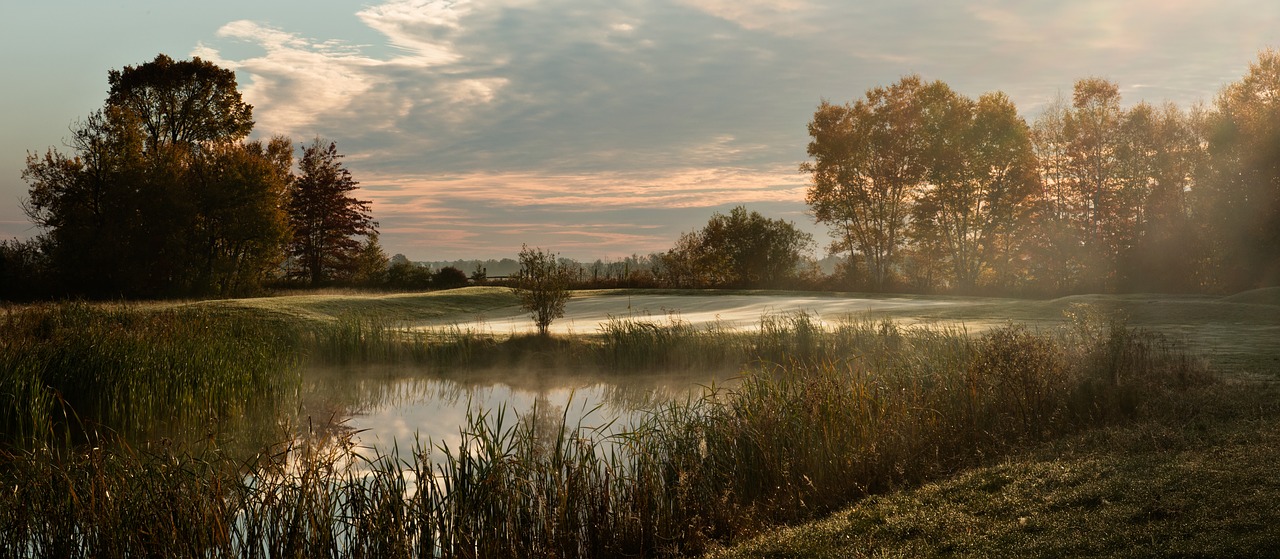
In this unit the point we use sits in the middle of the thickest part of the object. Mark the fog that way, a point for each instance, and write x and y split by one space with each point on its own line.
585 314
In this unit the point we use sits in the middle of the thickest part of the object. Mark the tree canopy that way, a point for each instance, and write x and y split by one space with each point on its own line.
185 101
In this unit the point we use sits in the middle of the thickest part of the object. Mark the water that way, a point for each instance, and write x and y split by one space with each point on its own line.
390 409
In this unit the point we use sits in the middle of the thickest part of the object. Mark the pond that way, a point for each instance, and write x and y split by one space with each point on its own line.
397 408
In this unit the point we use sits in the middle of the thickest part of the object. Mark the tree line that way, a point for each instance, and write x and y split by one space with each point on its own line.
162 195
926 189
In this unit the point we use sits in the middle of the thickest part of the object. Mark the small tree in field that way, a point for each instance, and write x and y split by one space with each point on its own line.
543 286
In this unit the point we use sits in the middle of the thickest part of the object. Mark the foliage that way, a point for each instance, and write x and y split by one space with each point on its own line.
182 102
982 176
738 250
325 219
868 164
449 277
543 286
160 196
1242 194
25 271
409 276
370 266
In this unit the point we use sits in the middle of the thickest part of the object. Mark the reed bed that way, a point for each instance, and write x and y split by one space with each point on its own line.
69 370
857 410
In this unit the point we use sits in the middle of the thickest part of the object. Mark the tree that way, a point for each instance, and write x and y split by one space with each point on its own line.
240 227
981 173
543 286
187 101
1241 194
325 220
161 196
449 277
1055 266
868 164
1095 174
25 270
370 265
1164 248
740 249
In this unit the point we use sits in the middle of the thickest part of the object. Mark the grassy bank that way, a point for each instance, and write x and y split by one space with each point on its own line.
825 418
1192 476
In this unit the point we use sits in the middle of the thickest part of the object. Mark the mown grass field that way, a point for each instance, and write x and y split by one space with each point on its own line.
1239 334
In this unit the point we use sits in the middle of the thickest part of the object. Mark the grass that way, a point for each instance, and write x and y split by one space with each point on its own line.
857 411
70 370
1193 477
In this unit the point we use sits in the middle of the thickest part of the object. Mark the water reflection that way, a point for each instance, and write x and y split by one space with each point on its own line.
389 409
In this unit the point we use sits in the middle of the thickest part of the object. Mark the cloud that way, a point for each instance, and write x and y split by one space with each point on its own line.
590 215
476 119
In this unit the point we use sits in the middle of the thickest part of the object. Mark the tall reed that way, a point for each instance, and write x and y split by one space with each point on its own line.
71 369
871 406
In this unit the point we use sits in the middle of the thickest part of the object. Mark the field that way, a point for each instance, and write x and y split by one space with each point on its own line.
897 426
1236 333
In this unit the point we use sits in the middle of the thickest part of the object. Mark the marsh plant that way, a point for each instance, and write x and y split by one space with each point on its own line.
69 370
862 408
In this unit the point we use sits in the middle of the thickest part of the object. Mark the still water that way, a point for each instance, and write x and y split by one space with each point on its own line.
389 409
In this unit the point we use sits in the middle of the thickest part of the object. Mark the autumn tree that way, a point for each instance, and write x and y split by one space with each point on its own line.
182 102
1241 196
327 222
161 195
981 173
868 165
1163 246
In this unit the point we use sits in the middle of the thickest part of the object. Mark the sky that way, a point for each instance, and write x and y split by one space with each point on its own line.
595 129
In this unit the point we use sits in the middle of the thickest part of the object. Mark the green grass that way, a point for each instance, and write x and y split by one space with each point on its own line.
68 371
454 305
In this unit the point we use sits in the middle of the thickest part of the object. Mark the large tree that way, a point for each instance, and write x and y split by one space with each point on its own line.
868 164
146 205
1242 186
327 221
981 173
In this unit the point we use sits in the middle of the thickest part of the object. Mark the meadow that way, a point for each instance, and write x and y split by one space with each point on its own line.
979 426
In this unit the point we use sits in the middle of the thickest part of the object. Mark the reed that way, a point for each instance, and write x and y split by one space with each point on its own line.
69 370
864 408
